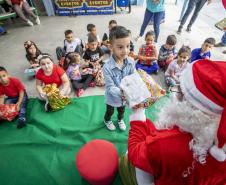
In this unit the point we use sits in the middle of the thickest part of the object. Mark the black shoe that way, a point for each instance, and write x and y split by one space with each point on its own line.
188 29
156 72
179 30
21 123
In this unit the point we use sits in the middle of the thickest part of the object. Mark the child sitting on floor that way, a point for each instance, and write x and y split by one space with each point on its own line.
167 52
204 51
91 28
79 81
105 40
12 91
131 53
115 69
148 55
93 54
71 44
32 53
177 66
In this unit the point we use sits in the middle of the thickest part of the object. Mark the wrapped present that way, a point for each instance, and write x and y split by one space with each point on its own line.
99 76
56 101
87 70
8 111
140 90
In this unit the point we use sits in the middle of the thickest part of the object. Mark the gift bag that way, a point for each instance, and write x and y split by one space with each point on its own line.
56 101
8 111
99 76
140 90
221 25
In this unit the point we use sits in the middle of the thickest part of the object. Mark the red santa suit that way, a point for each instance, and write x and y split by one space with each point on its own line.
165 154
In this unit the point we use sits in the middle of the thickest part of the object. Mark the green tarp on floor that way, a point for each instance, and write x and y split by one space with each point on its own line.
43 153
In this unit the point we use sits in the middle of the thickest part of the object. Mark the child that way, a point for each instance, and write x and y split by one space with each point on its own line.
15 93
79 82
50 73
93 54
116 68
131 53
204 51
71 44
167 52
176 67
91 28
32 53
148 55
105 39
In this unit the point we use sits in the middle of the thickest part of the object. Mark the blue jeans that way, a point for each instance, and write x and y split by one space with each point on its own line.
223 39
22 113
157 17
149 69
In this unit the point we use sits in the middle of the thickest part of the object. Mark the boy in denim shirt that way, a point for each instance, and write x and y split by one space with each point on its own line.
115 69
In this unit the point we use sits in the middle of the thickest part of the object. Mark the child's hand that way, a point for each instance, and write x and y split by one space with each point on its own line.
123 95
18 106
43 95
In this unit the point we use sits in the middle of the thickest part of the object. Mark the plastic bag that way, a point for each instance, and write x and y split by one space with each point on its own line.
141 90
8 111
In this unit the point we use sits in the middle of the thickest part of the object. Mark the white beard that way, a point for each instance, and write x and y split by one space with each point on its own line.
188 118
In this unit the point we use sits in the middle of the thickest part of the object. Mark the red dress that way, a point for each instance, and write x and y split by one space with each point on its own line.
166 155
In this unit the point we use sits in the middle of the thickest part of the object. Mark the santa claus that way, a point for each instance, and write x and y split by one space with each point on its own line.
192 124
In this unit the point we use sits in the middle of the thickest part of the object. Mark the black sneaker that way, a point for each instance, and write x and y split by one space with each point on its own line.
179 30
21 123
188 29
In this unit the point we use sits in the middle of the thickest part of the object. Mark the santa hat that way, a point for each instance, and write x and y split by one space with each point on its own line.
203 84
224 3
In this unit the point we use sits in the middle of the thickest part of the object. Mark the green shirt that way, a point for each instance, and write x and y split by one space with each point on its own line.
155 7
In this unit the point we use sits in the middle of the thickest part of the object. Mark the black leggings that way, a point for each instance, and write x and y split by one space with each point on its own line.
110 111
83 83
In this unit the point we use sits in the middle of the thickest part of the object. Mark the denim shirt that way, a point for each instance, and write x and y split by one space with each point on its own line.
113 76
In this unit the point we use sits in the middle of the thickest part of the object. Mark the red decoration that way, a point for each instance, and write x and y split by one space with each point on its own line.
8 111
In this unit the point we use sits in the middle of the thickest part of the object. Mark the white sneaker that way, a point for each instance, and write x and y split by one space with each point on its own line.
137 38
37 20
122 125
29 23
110 125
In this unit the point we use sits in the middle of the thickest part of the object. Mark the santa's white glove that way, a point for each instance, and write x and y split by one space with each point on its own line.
138 115
218 153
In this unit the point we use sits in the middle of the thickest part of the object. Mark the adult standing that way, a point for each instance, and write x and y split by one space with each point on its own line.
197 4
223 42
155 9
21 5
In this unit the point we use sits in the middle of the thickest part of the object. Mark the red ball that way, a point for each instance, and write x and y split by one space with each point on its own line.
97 162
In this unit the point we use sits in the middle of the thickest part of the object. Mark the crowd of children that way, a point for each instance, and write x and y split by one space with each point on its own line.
93 70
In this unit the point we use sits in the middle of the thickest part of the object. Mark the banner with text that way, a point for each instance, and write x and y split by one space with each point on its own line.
83 7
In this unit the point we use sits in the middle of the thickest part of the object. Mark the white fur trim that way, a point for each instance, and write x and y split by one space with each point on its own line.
218 153
144 178
194 96
138 115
